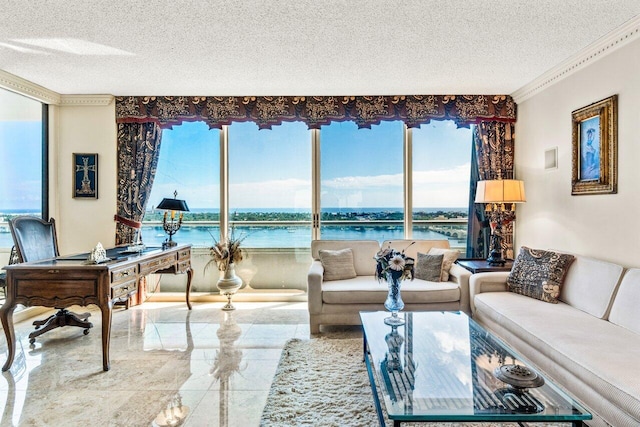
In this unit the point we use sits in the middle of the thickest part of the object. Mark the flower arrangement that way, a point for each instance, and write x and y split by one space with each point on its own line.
226 252
394 263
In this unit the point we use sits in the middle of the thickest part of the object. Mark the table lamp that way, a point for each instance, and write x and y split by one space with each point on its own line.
495 193
171 227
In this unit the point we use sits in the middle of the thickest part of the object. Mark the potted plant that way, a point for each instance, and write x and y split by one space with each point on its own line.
225 254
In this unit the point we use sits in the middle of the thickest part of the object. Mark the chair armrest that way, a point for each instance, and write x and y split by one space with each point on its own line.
314 287
461 276
486 282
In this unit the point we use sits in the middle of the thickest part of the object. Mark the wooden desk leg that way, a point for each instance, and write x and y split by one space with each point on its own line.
189 275
106 334
6 315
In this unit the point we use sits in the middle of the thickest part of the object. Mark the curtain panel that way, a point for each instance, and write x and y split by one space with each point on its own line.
315 111
138 152
494 153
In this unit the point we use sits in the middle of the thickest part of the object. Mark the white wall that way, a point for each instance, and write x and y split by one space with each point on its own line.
603 226
82 223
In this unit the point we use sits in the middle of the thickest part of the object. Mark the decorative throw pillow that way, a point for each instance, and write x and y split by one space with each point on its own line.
449 257
539 274
338 265
428 267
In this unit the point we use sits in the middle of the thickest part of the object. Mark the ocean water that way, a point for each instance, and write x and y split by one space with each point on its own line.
288 237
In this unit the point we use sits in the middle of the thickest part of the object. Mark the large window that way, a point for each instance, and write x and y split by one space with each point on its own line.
22 148
289 184
362 187
270 185
189 163
441 172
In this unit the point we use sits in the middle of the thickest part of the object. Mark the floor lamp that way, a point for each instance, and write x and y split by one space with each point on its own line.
495 194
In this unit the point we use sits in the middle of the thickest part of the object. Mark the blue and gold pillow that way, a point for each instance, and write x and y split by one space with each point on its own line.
539 274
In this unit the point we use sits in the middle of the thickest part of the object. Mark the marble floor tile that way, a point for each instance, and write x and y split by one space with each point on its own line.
209 367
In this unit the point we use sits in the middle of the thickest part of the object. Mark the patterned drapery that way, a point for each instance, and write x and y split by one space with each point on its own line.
315 111
138 151
494 144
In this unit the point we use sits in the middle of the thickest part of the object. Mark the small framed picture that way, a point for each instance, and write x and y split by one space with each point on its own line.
595 148
85 176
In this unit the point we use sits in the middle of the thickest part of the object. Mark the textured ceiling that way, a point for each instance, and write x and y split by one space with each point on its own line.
301 47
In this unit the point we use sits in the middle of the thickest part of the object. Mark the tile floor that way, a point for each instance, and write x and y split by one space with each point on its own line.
216 366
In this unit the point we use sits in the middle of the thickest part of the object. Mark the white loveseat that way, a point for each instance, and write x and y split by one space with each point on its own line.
338 302
589 342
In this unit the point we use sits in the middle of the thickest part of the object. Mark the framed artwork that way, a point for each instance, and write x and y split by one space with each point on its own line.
85 176
595 148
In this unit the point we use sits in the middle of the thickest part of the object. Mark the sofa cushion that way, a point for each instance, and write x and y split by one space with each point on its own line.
625 311
363 252
449 257
367 290
590 285
600 354
338 265
539 274
428 267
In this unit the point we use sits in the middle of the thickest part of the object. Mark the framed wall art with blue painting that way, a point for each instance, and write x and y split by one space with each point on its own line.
595 148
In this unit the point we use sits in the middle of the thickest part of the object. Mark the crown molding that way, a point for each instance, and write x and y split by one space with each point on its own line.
85 100
611 42
24 87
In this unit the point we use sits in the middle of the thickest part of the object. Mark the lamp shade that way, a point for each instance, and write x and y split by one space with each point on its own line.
500 191
173 205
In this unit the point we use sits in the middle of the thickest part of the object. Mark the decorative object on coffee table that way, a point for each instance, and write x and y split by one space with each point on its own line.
393 266
518 376
495 194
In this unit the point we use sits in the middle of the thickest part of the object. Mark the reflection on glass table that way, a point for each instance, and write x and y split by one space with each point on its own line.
441 366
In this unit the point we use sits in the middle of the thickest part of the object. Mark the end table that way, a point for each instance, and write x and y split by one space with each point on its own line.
482 266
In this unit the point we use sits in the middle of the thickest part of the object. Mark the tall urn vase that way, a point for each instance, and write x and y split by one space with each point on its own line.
394 301
228 285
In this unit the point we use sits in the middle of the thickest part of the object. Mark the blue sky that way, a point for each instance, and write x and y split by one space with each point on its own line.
272 168
21 165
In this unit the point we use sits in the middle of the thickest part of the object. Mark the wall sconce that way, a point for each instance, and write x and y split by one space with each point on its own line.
173 205
495 193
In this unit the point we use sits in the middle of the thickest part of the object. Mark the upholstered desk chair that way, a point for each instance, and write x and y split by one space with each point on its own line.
35 240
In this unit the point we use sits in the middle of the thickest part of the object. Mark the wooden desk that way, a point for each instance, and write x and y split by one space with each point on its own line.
67 281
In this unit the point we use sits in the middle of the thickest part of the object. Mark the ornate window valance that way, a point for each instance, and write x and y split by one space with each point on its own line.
315 111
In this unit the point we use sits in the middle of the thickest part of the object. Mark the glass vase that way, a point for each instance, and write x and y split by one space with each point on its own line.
394 301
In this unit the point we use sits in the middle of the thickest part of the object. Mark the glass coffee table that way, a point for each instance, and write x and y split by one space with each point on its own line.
443 366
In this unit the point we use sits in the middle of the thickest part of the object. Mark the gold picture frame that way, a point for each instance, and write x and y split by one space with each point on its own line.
595 148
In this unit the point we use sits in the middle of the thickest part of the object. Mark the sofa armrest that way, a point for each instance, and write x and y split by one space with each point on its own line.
314 287
461 275
486 282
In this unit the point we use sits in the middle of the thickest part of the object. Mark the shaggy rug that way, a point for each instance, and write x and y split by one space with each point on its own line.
323 382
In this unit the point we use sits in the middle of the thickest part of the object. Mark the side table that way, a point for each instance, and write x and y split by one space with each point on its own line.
482 266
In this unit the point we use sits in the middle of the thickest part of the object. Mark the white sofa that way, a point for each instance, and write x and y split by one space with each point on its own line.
589 342
338 302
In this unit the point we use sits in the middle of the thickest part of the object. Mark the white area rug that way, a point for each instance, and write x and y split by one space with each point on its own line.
324 382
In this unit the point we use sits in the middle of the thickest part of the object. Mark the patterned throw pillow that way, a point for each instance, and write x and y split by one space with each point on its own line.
450 256
338 265
428 267
539 274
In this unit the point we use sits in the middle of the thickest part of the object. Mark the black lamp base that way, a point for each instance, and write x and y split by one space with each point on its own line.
495 258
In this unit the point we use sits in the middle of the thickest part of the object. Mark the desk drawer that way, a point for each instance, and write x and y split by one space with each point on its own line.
166 261
124 290
184 266
125 273
184 254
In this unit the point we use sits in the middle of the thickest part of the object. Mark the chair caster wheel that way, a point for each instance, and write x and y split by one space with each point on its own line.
86 332
32 341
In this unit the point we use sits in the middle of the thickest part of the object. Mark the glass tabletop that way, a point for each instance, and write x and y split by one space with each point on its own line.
441 366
